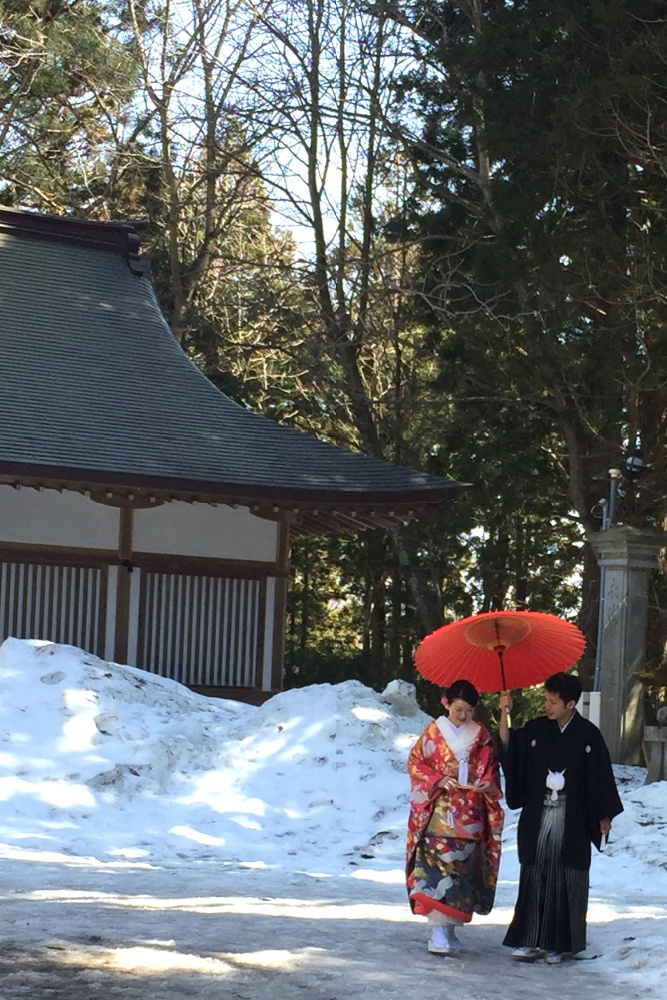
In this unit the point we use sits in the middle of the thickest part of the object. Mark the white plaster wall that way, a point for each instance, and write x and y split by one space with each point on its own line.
201 530
46 517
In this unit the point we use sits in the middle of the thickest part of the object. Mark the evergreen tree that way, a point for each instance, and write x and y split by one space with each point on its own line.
67 76
540 211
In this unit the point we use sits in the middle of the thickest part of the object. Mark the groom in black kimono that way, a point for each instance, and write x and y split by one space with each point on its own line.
558 772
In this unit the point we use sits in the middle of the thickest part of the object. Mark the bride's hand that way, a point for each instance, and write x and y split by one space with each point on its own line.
484 787
448 784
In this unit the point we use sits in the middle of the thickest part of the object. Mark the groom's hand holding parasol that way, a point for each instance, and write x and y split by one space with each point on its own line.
506 704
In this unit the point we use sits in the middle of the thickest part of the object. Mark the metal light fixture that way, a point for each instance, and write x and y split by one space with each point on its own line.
633 465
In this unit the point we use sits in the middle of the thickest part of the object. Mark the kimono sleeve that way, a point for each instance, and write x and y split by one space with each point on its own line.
422 773
489 766
513 760
602 795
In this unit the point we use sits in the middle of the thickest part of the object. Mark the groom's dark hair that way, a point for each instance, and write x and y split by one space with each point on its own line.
566 686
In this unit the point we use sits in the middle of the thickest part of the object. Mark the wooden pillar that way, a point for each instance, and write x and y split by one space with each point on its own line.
124 587
280 604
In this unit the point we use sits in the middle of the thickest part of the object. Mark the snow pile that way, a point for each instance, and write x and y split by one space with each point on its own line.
640 829
111 761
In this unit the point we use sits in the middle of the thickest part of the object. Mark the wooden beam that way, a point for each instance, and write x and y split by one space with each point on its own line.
124 584
58 554
249 569
280 604
137 500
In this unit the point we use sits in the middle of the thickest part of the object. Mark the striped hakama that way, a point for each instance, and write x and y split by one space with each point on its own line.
551 907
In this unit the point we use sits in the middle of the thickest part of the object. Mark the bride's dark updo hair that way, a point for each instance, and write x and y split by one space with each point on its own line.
464 690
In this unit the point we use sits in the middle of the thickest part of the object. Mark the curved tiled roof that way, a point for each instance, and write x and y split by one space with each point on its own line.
96 391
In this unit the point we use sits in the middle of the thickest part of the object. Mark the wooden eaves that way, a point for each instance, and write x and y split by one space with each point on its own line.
316 516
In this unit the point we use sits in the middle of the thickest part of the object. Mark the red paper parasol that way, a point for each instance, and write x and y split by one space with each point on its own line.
500 650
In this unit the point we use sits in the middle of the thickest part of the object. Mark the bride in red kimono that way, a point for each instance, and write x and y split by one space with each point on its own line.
456 820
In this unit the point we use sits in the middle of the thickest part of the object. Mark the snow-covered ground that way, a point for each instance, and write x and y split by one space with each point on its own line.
156 843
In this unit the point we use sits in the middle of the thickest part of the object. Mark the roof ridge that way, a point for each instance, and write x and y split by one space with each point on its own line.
115 237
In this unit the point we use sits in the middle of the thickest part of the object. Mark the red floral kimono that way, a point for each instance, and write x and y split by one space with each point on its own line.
453 848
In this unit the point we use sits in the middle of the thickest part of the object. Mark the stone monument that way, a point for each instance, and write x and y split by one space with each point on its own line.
628 555
655 739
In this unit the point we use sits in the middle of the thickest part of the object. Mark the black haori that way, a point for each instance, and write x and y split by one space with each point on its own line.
556 830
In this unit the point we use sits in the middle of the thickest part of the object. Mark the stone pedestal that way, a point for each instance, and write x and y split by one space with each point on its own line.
627 556
655 741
